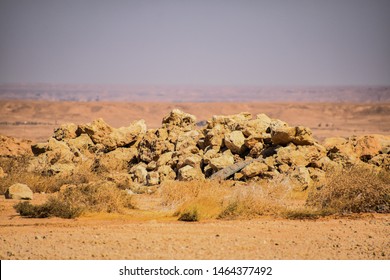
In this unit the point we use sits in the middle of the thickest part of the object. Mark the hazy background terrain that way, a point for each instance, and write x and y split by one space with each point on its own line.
321 64
173 42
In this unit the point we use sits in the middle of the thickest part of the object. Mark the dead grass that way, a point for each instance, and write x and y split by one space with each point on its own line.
355 190
16 170
72 201
98 196
210 199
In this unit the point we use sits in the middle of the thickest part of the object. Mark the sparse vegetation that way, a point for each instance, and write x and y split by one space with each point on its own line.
16 170
189 215
222 200
355 190
52 208
73 200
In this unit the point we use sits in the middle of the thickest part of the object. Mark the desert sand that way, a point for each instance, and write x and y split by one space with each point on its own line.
142 236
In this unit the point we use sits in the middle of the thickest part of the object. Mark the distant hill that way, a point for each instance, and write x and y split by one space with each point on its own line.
58 92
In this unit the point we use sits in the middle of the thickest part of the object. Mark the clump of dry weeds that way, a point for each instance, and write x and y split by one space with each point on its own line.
355 190
74 200
16 169
210 199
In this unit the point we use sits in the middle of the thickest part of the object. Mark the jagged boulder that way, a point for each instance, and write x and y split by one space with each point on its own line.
189 173
235 142
180 119
293 155
166 173
99 132
19 191
125 136
298 135
230 122
255 168
102 133
222 160
65 131
257 127
116 160
166 159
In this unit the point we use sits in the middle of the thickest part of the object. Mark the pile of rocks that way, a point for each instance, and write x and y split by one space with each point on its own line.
240 147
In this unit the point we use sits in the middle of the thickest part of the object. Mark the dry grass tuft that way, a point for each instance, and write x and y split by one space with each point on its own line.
355 190
16 170
73 200
209 199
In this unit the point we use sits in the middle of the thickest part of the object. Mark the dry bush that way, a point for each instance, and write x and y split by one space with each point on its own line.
73 200
255 200
200 198
16 169
97 197
52 208
355 190
210 199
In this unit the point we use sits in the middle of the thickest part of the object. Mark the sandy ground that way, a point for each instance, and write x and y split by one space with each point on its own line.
325 119
142 235
147 235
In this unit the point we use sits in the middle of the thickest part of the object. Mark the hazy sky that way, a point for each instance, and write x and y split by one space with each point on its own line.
183 42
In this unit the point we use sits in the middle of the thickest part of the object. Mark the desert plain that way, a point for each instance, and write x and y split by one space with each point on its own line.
151 231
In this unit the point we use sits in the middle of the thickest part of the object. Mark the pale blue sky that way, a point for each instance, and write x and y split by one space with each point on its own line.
246 42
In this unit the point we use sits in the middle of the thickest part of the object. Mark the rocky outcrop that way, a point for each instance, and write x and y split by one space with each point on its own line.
239 147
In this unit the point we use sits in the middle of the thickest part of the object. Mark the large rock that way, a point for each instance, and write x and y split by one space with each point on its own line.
255 168
19 191
99 131
65 131
293 155
191 160
178 118
222 161
257 127
235 142
125 136
231 122
117 160
166 173
166 159
189 173
298 135
83 143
